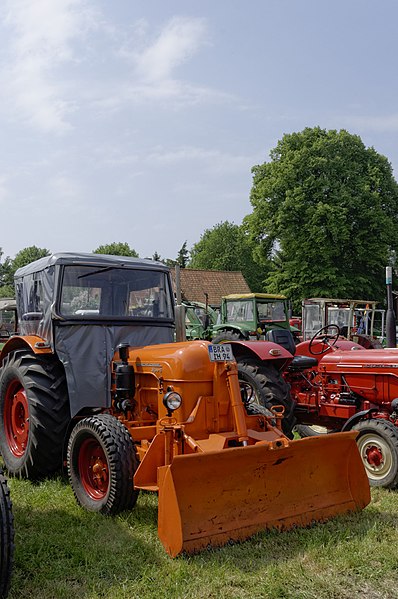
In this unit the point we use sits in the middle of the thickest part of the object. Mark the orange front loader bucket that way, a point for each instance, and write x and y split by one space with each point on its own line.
213 497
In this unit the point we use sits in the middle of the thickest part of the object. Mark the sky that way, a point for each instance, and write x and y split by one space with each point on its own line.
140 121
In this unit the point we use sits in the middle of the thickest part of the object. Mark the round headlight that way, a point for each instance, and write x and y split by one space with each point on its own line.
172 400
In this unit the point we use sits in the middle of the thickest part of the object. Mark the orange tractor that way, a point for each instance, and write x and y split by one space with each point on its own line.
94 373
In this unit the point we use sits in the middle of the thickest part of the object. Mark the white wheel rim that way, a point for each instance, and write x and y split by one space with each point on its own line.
371 447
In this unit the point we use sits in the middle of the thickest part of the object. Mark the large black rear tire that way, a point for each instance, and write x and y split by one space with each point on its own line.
6 537
102 461
269 389
34 414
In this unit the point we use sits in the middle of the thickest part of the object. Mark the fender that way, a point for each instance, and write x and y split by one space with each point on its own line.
266 351
357 417
32 343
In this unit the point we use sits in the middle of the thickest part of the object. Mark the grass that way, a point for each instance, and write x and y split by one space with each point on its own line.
64 552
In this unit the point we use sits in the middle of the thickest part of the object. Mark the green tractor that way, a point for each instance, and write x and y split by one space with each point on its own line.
251 315
199 320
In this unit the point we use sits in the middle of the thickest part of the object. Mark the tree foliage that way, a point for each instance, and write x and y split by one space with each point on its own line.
183 256
325 208
227 247
28 255
6 276
116 249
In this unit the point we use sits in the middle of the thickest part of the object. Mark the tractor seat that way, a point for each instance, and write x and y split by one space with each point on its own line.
282 337
302 363
285 338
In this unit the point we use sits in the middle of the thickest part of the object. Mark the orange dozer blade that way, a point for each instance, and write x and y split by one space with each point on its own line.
211 498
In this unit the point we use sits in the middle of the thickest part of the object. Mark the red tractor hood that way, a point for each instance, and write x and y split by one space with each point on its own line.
365 359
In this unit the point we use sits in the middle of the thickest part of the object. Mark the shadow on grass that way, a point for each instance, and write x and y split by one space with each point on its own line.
71 552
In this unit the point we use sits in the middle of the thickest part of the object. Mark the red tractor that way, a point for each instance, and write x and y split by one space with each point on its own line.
346 387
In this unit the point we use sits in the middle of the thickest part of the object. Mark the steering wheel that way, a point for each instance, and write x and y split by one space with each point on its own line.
328 336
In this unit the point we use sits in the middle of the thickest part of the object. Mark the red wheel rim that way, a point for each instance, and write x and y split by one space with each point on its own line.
374 456
93 469
16 418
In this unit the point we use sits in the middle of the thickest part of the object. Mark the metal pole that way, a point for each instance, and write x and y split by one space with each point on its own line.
391 336
179 309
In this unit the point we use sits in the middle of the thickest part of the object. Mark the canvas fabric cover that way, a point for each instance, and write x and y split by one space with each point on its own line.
84 348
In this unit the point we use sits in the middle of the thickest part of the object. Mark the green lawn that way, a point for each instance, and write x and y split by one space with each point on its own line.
63 551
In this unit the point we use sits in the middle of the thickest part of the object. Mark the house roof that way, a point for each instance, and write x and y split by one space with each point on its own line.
217 283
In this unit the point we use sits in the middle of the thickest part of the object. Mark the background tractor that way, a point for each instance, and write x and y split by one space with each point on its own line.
199 320
8 319
250 316
358 320
95 373
345 388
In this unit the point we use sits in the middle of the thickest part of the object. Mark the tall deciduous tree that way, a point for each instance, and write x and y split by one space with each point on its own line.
116 249
326 208
28 255
227 247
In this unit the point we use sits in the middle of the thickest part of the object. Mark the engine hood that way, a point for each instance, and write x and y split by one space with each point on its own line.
361 359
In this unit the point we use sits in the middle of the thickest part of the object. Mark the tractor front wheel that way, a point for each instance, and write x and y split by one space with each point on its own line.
34 414
6 536
378 446
268 388
102 461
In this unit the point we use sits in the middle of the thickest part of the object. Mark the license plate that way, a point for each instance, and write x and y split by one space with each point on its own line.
221 353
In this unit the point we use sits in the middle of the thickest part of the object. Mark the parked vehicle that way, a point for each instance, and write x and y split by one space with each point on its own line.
8 319
250 316
358 320
94 369
199 320
346 387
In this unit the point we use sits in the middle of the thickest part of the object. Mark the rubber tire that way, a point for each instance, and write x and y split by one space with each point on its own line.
43 379
122 462
388 433
225 336
306 430
270 387
6 536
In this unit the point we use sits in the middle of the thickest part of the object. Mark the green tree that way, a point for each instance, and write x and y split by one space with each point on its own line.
28 255
157 257
6 276
325 208
116 249
227 247
183 256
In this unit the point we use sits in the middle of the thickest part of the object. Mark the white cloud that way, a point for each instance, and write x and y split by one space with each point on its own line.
179 40
155 61
42 36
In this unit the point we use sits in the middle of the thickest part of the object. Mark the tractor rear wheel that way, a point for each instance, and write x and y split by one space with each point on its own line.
378 446
225 336
34 414
102 461
269 389
6 536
